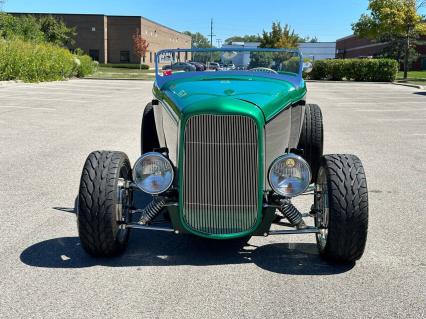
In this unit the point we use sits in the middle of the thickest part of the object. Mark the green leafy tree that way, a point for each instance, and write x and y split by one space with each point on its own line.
245 38
26 28
198 40
56 32
260 60
279 37
395 49
396 21
309 39
201 42
30 28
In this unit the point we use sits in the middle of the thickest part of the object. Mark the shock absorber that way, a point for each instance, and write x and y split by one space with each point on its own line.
152 210
293 215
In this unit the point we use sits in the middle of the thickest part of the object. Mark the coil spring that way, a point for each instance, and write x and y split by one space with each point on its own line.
152 210
291 213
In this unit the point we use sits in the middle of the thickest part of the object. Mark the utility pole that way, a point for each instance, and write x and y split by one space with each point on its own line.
211 35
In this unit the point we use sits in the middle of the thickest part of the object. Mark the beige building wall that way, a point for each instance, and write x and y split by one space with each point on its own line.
120 39
160 37
108 39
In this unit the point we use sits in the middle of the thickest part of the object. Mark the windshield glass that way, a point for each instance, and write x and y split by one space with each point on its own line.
180 63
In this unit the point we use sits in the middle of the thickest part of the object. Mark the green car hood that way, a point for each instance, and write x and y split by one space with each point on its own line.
270 95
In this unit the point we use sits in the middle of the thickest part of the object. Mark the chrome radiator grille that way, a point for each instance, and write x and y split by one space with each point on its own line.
220 174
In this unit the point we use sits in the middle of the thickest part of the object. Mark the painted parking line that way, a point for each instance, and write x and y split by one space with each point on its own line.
27 107
80 89
388 110
18 95
42 99
387 104
401 119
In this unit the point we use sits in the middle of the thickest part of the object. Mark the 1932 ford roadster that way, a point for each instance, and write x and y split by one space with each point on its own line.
223 152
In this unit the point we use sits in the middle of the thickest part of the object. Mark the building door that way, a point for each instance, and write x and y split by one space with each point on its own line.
94 54
124 56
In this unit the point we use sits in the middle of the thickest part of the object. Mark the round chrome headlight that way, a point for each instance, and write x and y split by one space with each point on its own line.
289 175
153 173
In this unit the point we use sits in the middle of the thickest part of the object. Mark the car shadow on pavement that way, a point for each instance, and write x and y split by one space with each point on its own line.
420 93
166 249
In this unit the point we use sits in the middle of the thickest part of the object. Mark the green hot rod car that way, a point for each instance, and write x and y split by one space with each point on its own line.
222 155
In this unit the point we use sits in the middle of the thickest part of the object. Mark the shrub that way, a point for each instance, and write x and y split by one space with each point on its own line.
37 62
337 69
376 70
292 65
319 70
84 65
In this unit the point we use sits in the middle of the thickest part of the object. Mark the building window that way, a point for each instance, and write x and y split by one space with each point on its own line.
124 56
94 54
93 29
186 56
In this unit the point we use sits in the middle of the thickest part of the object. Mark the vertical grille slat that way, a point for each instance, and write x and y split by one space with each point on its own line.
220 174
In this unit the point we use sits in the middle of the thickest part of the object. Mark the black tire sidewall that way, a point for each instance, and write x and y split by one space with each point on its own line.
97 203
348 208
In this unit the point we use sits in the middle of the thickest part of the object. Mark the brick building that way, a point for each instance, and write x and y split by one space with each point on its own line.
108 39
354 47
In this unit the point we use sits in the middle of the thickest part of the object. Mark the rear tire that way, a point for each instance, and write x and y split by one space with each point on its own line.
149 137
311 138
97 216
342 208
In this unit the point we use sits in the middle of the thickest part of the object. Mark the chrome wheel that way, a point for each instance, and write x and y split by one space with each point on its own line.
322 214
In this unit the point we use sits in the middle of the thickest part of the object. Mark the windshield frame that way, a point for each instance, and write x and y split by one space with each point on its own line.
162 80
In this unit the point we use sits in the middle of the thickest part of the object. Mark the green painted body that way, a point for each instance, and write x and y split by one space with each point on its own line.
270 95
259 98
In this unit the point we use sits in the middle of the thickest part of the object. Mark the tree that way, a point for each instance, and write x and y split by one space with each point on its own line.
140 45
25 27
30 28
309 39
260 60
279 37
56 31
394 21
198 40
245 38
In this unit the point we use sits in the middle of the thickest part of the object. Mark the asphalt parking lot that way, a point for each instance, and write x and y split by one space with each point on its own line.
46 132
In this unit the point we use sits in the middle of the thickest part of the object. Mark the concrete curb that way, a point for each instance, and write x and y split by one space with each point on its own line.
409 85
10 83
347 82
118 79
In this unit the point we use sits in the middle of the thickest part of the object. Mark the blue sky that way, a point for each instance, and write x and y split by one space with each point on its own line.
326 19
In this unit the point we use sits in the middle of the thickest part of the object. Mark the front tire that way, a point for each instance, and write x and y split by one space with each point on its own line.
99 214
341 204
311 138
